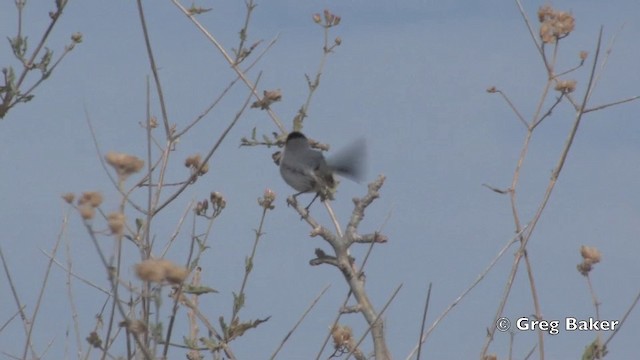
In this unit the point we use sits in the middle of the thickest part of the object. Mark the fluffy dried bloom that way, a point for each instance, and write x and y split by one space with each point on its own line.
217 200
94 340
202 207
68 197
76 37
566 86
192 161
160 270
590 256
328 17
87 211
124 164
316 18
338 41
268 98
91 198
492 90
176 274
266 201
341 335
150 270
554 25
583 55
116 223
153 122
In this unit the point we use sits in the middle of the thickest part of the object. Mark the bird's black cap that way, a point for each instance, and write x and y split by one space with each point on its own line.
295 135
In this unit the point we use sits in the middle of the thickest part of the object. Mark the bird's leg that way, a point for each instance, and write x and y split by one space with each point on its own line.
314 199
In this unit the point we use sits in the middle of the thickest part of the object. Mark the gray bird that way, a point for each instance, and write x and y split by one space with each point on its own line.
306 169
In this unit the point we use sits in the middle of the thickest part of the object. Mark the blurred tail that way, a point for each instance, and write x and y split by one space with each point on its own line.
351 162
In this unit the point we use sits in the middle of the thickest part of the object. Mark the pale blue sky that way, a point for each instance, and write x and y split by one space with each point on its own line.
411 79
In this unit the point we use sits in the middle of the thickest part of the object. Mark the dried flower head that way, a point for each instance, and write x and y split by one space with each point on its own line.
192 161
266 201
316 18
342 336
217 200
176 274
338 41
583 55
268 98
554 25
153 122
76 37
124 164
590 256
68 197
87 211
94 340
91 198
566 86
328 17
116 223
492 90
202 207
160 270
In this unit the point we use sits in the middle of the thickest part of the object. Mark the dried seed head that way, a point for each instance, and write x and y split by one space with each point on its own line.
160 270
317 18
176 274
266 201
341 335
91 198
591 254
116 223
566 86
124 164
217 200
94 340
76 37
328 17
583 55
554 25
150 270
68 197
87 211
192 161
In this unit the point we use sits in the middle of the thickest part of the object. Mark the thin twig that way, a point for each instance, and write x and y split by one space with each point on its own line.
154 71
384 308
455 302
213 150
315 301
229 60
624 318
424 319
